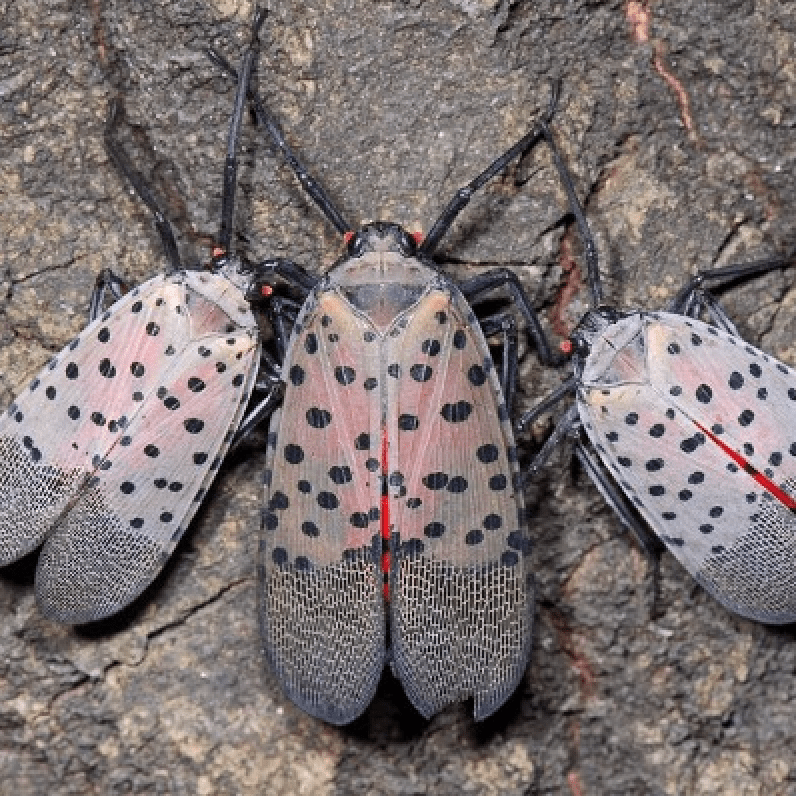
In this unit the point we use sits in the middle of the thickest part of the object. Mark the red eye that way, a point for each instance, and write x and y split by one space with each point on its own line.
419 237
347 236
565 346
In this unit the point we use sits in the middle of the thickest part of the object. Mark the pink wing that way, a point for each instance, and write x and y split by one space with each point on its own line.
110 449
694 445
321 604
460 588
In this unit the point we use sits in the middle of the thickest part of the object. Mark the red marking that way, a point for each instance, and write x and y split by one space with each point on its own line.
772 205
579 662
99 33
266 290
347 236
419 237
385 518
572 282
639 17
677 87
768 485
385 514
588 681
574 784
565 346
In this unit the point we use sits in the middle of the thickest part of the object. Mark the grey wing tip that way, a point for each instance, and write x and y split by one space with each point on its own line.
323 635
329 710
485 702
89 571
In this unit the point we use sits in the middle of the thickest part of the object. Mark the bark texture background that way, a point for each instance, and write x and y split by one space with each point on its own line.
677 120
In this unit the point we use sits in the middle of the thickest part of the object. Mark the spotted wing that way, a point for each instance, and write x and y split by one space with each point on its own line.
707 452
321 603
108 452
461 598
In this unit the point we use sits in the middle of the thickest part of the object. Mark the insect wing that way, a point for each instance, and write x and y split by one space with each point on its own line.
705 446
118 439
321 604
461 597
56 432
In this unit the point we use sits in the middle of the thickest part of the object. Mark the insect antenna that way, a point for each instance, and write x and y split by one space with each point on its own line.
233 138
310 185
125 166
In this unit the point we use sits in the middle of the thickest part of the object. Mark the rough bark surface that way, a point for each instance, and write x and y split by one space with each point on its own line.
677 121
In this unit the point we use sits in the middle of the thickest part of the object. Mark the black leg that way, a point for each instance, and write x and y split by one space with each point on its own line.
566 424
462 197
279 310
310 185
728 273
266 381
560 392
107 282
474 289
504 325
650 544
122 162
705 302
540 131
293 274
589 246
231 163
261 412
270 369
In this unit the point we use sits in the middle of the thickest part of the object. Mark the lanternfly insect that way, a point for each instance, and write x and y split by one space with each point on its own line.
395 528
108 453
697 430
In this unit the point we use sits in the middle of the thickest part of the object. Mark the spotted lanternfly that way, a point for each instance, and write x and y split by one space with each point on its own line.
394 529
696 430
108 453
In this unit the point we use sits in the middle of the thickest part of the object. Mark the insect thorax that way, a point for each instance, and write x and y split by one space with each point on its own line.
226 288
610 348
382 285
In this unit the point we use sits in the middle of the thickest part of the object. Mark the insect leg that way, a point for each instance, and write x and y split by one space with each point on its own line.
474 289
462 197
505 325
589 246
702 300
551 400
263 410
125 166
567 423
279 310
310 185
292 273
107 282
540 131
231 162
650 544
270 370
729 273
